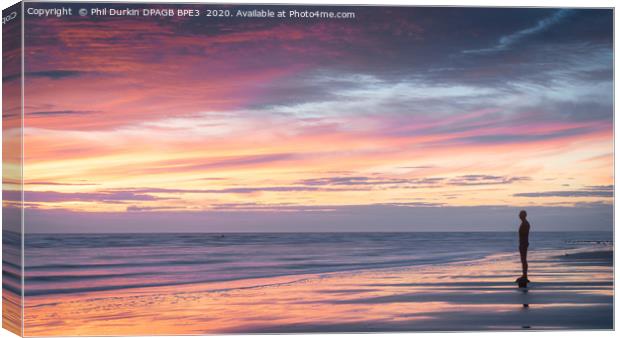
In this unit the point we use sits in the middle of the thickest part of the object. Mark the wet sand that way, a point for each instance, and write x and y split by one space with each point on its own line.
11 312
569 290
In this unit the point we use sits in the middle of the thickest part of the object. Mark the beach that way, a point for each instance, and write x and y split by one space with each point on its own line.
203 168
570 288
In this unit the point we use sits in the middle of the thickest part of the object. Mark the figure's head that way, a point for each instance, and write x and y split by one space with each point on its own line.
522 215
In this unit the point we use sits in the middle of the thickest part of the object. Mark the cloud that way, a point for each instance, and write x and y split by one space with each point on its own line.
351 180
600 187
135 208
235 190
228 162
348 183
275 207
54 74
60 112
486 180
57 183
419 167
593 204
367 181
53 196
326 184
286 207
409 183
590 191
507 41
517 138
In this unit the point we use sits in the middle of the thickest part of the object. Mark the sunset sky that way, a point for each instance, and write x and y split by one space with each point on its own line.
400 119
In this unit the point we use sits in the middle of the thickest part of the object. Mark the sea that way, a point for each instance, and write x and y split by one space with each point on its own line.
72 263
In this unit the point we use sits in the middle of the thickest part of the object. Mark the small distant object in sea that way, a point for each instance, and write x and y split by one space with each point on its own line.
526 327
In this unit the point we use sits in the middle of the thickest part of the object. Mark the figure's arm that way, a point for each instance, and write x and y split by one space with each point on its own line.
527 232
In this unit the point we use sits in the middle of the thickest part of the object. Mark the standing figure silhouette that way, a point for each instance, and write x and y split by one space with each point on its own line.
524 234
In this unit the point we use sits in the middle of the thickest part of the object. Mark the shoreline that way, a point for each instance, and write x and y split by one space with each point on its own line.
249 282
419 298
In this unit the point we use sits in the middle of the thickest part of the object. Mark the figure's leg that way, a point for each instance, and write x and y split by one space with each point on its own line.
524 266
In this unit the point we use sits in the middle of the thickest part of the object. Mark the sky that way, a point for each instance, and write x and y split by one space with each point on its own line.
402 119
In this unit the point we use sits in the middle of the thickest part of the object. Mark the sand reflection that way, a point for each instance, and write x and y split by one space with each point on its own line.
477 295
